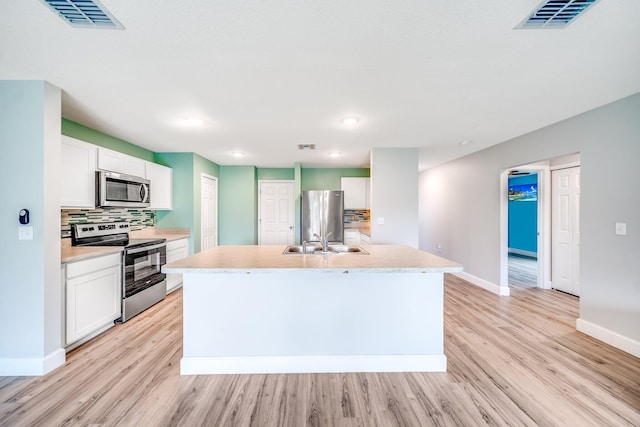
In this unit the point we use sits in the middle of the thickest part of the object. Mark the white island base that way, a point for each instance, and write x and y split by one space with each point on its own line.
304 321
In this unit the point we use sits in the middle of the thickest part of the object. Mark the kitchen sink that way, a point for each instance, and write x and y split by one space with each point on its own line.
317 250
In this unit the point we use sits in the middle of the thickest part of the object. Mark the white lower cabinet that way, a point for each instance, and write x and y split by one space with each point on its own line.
352 237
365 239
176 250
93 296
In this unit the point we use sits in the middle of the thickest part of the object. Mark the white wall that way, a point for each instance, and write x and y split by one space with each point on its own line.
460 210
30 283
394 196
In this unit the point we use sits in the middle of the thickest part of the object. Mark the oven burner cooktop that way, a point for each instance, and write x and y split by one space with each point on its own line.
107 234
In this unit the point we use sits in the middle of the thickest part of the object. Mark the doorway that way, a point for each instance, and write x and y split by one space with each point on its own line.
545 253
523 228
276 208
208 212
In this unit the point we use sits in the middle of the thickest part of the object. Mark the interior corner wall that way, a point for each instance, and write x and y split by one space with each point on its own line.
237 205
30 307
182 214
394 196
297 197
460 208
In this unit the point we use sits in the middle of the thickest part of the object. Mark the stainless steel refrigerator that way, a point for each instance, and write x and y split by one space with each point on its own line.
322 213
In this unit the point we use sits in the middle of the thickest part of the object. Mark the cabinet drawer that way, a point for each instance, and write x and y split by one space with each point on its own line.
79 268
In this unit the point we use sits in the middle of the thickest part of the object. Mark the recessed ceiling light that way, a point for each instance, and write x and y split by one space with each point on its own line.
237 154
350 121
192 121
335 154
465 142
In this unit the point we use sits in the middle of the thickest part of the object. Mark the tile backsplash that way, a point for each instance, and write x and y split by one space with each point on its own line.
356 216
138 218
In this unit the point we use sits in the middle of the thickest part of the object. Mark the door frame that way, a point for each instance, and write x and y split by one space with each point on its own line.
293 206
215 226
544 226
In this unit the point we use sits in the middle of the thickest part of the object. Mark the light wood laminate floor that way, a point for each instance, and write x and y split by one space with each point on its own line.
523 271
515 361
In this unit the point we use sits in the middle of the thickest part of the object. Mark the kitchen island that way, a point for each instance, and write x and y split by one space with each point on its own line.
251 309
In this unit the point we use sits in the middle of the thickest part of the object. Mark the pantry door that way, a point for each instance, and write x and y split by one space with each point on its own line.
208 212
565 223
276 213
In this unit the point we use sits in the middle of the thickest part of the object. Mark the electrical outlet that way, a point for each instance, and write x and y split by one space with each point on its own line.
439 249
621 228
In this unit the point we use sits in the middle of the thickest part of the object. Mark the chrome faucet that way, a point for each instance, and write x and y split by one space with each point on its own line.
324 241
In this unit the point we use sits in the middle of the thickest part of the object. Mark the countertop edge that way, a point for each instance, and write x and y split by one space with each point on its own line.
86 253
336 270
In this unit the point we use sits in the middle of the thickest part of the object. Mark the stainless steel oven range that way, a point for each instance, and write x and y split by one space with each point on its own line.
143 284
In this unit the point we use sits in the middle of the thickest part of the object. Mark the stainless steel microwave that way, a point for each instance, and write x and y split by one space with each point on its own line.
119 190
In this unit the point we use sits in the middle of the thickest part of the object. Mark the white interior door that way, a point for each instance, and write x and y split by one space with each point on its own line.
565 223
277 213
209 212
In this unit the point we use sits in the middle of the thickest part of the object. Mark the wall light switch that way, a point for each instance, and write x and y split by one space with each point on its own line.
621 228
380 221
25 233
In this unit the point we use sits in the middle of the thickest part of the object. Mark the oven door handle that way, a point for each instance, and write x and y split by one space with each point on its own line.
144 248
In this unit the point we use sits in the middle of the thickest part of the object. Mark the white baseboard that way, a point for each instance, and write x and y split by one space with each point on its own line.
612 338
523 252
34 366
484 284
312 364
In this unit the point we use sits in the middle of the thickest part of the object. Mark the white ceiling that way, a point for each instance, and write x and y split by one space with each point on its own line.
267 75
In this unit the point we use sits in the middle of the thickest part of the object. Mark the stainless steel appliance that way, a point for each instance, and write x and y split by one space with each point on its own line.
322 216
143 284
119 190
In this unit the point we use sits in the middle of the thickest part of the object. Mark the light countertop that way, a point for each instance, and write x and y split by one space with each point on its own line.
269 259
74 253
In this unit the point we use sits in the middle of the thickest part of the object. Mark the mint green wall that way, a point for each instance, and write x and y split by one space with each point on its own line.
30 307
328 178
83 133
187 169
237 205
275 174
182 214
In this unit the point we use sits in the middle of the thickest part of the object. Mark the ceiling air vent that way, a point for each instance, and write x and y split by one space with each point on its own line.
84 13
555 13
306 146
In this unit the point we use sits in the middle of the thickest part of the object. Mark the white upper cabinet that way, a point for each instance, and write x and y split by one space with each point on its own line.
77 173
356 193
161 178
114 161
